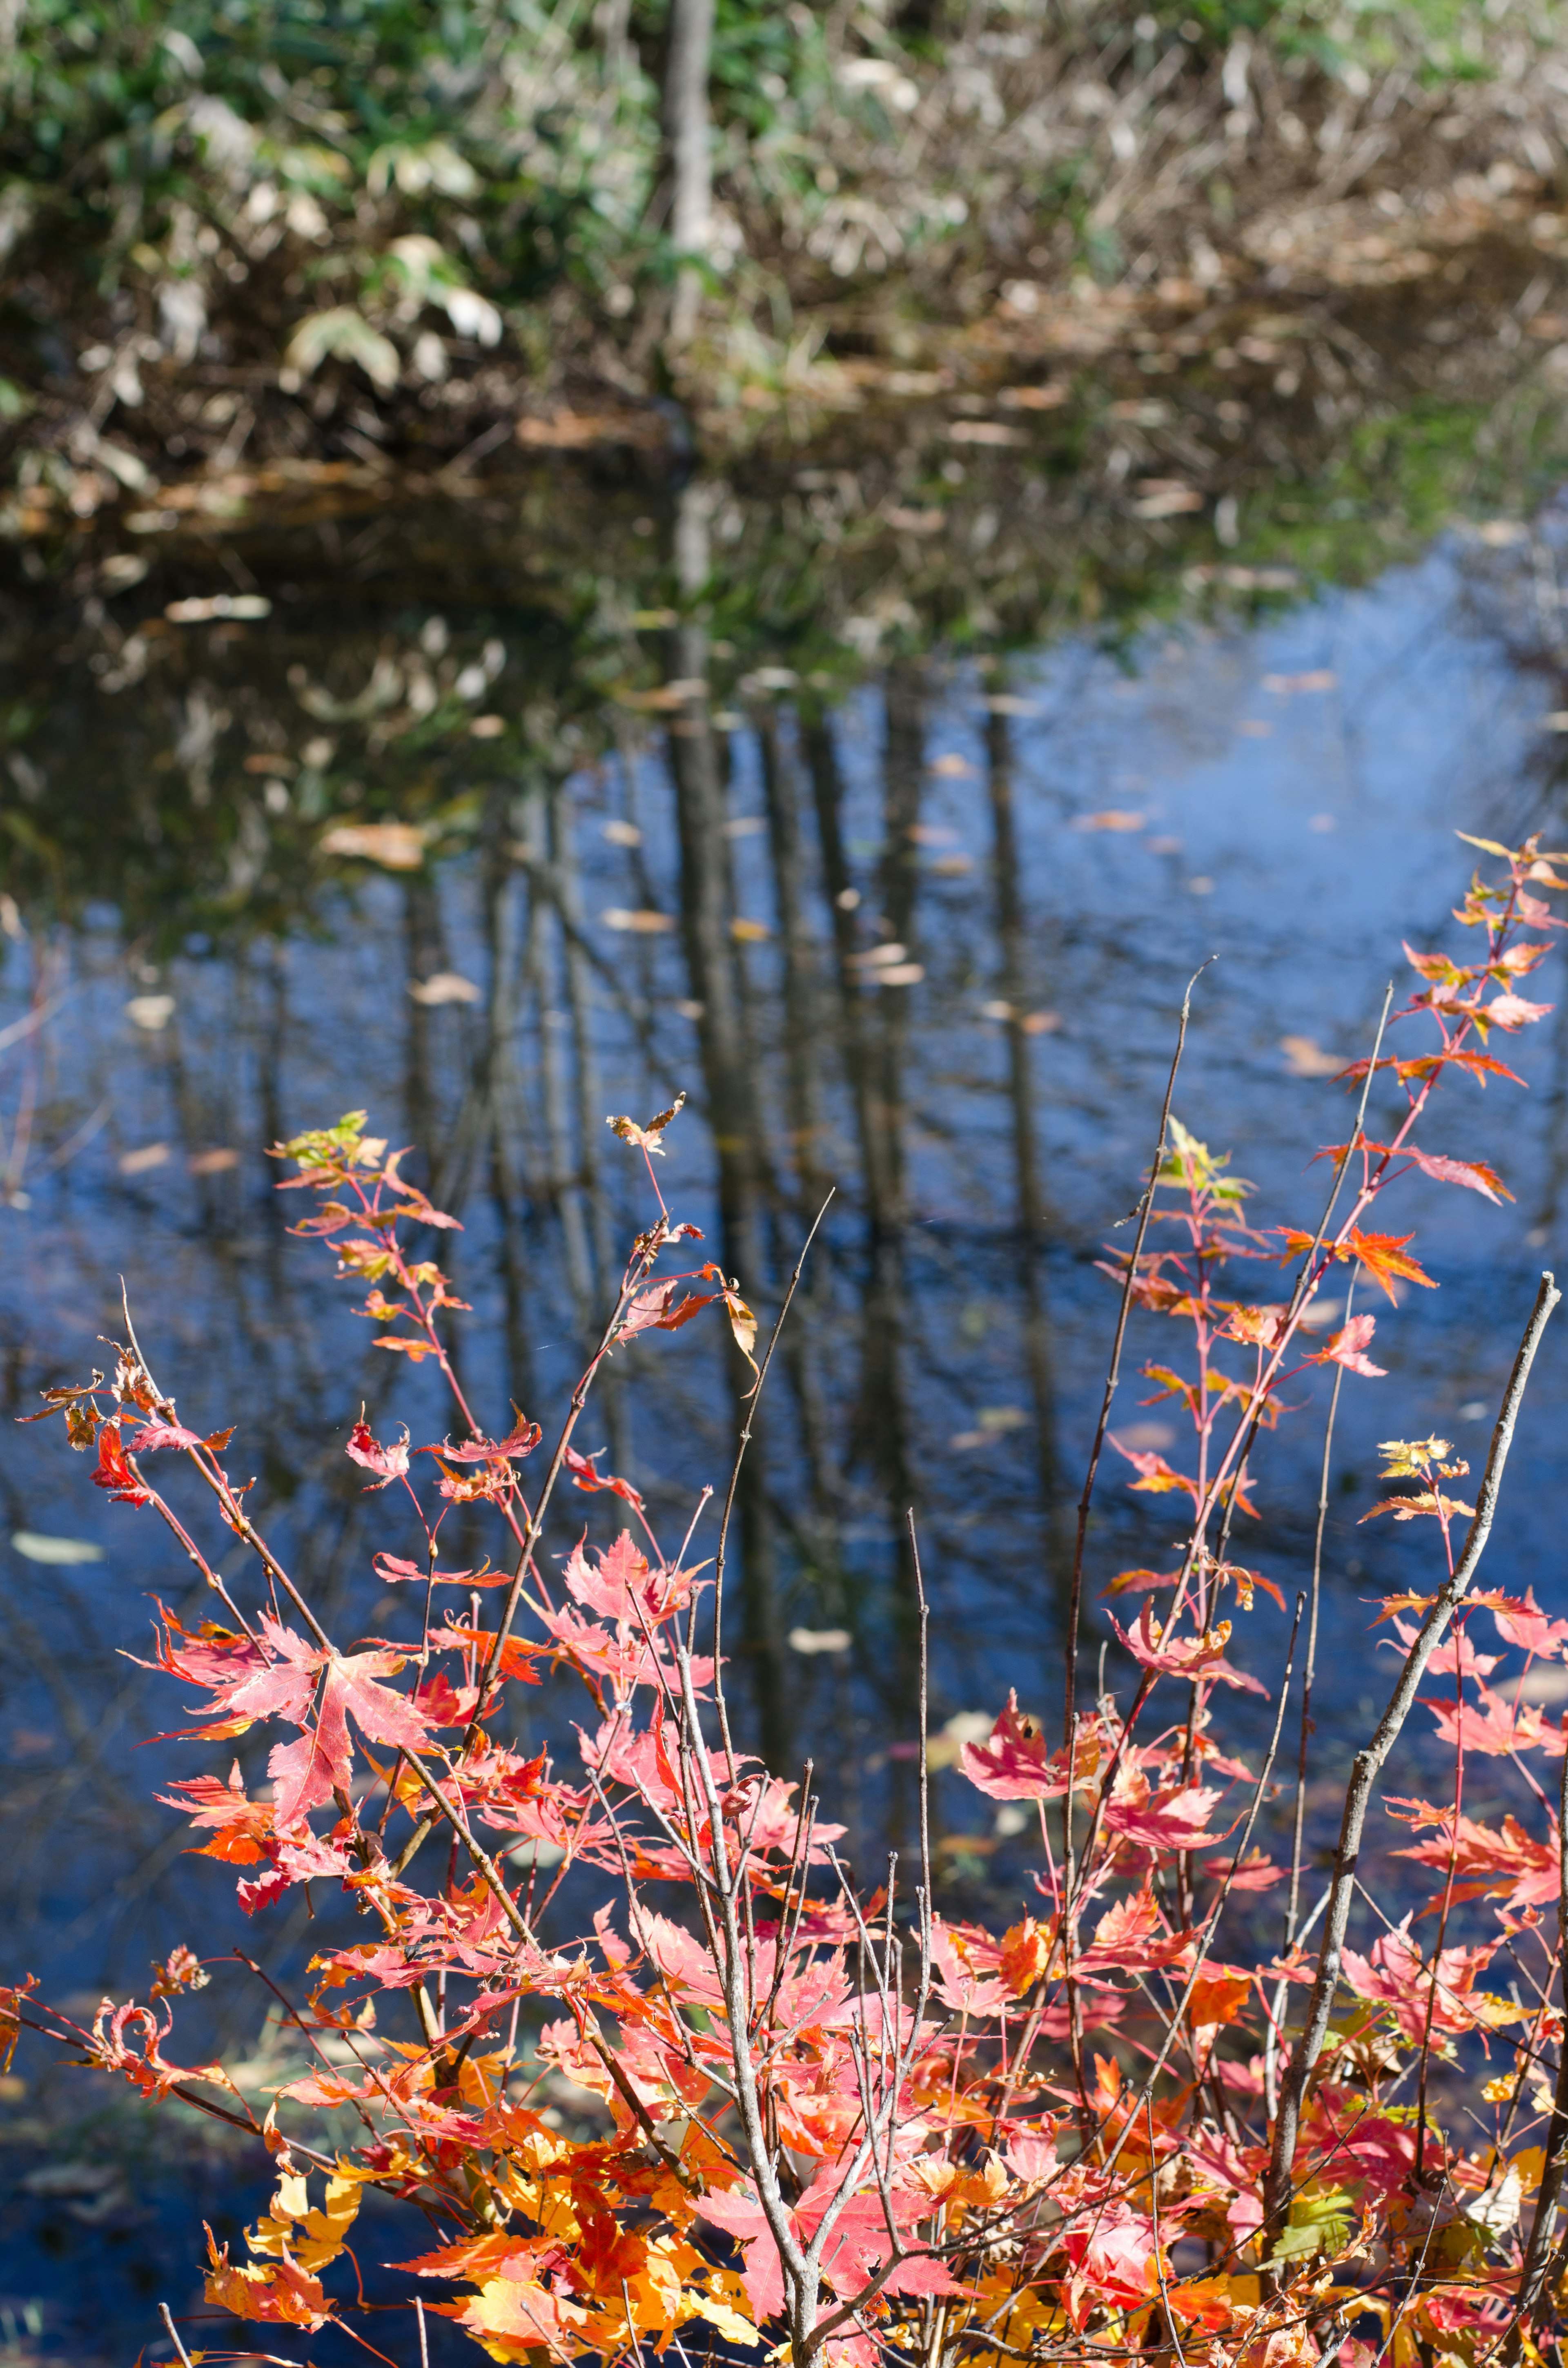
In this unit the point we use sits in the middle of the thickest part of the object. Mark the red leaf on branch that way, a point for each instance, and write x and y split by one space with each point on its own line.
584 1476
1154 1472
1172 1819
1014 1765
520 1442
391 1462
1382 1255
1346 1346
1201 1659
162 1434
113 1473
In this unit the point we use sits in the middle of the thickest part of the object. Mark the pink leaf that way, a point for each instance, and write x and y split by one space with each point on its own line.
1346 1347
1197 1658
1511 1011
1014 1765
391 1462
162 1434
581 1467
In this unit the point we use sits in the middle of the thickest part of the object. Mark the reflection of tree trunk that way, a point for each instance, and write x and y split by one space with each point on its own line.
502 1100
804 1016
426 954
590 1109
689 143
554 1025
1031 1203
801 1099
695 767
884 1412
828 793
873 1053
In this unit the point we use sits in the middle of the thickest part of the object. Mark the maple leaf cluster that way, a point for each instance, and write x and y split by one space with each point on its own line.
849 2128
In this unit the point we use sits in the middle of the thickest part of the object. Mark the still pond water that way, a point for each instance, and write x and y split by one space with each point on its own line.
490 852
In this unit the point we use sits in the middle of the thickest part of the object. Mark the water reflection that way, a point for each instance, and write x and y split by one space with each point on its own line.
910 933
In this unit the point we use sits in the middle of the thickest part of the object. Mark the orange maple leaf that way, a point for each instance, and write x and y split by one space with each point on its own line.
1382 1255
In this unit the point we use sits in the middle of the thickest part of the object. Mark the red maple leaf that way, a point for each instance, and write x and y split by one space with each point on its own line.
1201 1660
113 1473
585 1476
1014 1765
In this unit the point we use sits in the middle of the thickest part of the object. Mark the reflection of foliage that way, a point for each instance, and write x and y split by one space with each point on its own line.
204 763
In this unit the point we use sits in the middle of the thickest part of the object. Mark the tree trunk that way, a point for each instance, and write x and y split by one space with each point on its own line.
689 145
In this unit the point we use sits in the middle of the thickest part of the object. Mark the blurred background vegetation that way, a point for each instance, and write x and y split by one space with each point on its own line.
287 228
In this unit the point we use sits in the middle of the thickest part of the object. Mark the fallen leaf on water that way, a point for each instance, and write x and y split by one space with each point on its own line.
395 845
819 1640
137 1163
445 986
640 920
150 1012
212 1162
952 767
749 933
1304 1057
1284 686
622 834
1148 1434
952 867
34 1546
1111 818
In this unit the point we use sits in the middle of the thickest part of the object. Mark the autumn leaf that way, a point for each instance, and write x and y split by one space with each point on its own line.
240 1827
1014 1765
1201 1660
1172 1818
1509 1011
113 1473
391 1462
1154 1473
646 1139
584 1476
278 2292
658 1308
1026 1952
1381 1255
520 1440
1520 1620
1474 1173
416 1349
1424 1500
162 1434
1217 1997
1139 1582
1347 1346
